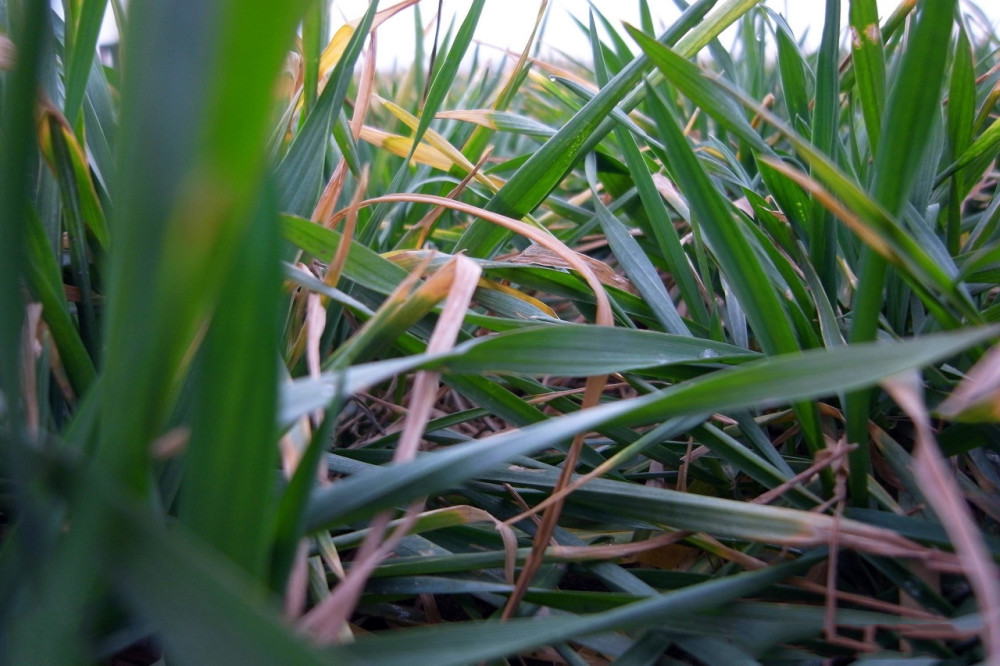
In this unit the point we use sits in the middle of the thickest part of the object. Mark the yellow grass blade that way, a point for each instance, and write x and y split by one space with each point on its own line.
441 144
400 146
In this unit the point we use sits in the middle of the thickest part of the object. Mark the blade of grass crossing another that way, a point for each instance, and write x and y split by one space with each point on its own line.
770 381
545 168
983 145
288 519
720 18
299 174
69 162
362 265
736 258
635 263
75 214
704 92
477 142
456 282
666 235
886 229
633 260
443 78
444 75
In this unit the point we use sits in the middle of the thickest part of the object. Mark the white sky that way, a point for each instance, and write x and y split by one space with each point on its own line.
506 24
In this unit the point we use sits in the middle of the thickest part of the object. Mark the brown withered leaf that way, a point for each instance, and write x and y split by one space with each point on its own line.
976 399
540 256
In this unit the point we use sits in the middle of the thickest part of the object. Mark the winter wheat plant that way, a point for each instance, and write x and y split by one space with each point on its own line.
680 355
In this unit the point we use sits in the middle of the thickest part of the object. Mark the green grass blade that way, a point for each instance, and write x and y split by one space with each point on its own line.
363 265
645 17
961 115
210 159
986 143
99 120
793 69
175 235
45 280
913 104
621 51
575 350
823 232
456 645
26 554
312 47
233 432
28 27
566 350
88 15
868 59
204 610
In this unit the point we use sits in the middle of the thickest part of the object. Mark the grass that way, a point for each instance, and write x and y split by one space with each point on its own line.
685 356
